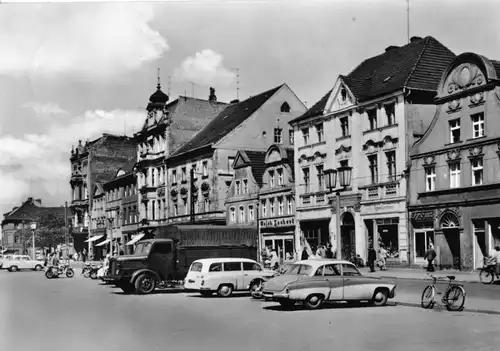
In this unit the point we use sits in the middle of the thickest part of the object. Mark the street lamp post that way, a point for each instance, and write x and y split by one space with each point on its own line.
344 175
33 228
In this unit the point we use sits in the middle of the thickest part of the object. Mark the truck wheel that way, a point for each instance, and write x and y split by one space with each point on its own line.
225 290
145 284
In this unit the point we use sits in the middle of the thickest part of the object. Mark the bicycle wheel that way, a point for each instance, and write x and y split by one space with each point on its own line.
428 294
455 298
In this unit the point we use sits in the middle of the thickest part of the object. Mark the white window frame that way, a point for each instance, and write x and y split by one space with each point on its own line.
280 206
205 168
320 132
271 178
454 170
476 165
477 121
245 186
271 206
430 178
278 135
280 176
242 214
264 208
289 204
237 187
305 135
232 214
454 125
250 213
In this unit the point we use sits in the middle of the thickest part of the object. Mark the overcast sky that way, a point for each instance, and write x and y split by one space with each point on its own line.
71 71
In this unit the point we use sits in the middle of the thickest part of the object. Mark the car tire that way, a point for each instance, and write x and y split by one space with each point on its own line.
13 269
225 290
313 302
256 288
380 297
145 284
38 268
287 304
206 293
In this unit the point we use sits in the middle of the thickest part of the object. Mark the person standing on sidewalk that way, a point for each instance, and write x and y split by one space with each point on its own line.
382 257
430 255
372 257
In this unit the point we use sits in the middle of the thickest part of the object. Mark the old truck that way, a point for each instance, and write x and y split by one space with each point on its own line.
163 260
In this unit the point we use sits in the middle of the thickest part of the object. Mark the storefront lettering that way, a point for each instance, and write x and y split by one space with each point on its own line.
280 222
383 207
422 216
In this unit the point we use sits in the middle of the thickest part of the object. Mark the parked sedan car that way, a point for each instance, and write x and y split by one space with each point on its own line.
16 262
314 282
225 275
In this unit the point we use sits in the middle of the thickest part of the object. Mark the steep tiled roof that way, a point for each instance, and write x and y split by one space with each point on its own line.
28 211
231 117
418 65
257 164
316 109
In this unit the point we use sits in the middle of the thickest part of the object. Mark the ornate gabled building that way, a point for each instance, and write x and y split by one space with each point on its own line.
167 127
16 224
242 201
372 117
277 227
94 162
455 167
201 171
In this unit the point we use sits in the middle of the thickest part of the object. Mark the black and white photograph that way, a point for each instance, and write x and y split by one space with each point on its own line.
225 175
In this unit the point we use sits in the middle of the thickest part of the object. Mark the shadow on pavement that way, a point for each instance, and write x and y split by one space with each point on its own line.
156 292
215 296
328 306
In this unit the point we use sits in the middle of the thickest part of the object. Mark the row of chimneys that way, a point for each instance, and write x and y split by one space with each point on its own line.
412 40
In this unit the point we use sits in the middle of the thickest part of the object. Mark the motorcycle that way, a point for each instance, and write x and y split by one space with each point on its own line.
94 270
488 273
55 272
86 270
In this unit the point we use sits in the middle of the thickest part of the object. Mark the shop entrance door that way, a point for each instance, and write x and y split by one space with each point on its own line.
422 240
284 246
347 232
452 236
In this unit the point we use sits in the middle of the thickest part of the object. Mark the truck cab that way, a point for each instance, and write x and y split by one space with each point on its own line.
153 263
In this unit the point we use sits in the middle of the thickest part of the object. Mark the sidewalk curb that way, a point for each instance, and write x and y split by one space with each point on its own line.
469 310
426 278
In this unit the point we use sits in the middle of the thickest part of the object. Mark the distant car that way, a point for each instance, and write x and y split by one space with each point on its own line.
314 282
16 262
225 275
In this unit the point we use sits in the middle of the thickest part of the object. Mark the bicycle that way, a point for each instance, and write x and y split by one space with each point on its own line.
453 297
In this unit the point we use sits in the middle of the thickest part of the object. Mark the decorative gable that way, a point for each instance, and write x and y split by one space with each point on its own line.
240 160
340 99
463 77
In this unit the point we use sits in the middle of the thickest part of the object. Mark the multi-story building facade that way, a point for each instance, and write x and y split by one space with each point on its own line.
455 182
203 167
16 224
121 209
277 204
242 200
167 127
373 114
98 222
95 162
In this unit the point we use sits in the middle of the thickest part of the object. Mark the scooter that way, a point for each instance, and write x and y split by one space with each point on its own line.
55 272
94 271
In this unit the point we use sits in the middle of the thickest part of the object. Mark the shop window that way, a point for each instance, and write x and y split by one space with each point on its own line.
424 236
388 230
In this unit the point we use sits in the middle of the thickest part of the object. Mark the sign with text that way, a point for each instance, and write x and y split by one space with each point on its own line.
422 216
278 222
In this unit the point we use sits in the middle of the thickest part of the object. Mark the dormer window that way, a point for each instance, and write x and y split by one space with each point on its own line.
271 179
280 176
390 113
285 108
343 94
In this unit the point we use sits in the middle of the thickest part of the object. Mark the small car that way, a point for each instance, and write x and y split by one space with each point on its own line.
225 275
14 263
316 281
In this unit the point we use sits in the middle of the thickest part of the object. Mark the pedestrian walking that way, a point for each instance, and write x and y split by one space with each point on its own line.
430 255
372 257
382 257
75 256
84 255
329 252
496 256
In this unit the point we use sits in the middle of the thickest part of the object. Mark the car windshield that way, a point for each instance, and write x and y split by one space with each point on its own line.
299 269
196 267
142 248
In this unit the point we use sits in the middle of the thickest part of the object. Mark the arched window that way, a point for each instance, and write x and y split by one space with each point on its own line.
233 215
242 214
285 108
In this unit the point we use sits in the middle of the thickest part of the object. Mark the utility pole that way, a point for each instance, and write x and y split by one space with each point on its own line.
408 19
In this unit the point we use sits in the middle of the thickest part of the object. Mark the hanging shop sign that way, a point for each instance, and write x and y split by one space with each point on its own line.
278 222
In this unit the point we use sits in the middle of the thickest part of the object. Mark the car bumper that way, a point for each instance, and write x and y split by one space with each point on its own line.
392 293
274 296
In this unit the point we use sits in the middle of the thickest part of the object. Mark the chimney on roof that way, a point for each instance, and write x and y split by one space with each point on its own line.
415 39
392 47
212 97
30 200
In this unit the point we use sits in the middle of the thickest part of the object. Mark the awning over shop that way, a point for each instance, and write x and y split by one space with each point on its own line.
94 238
103 243
135 239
